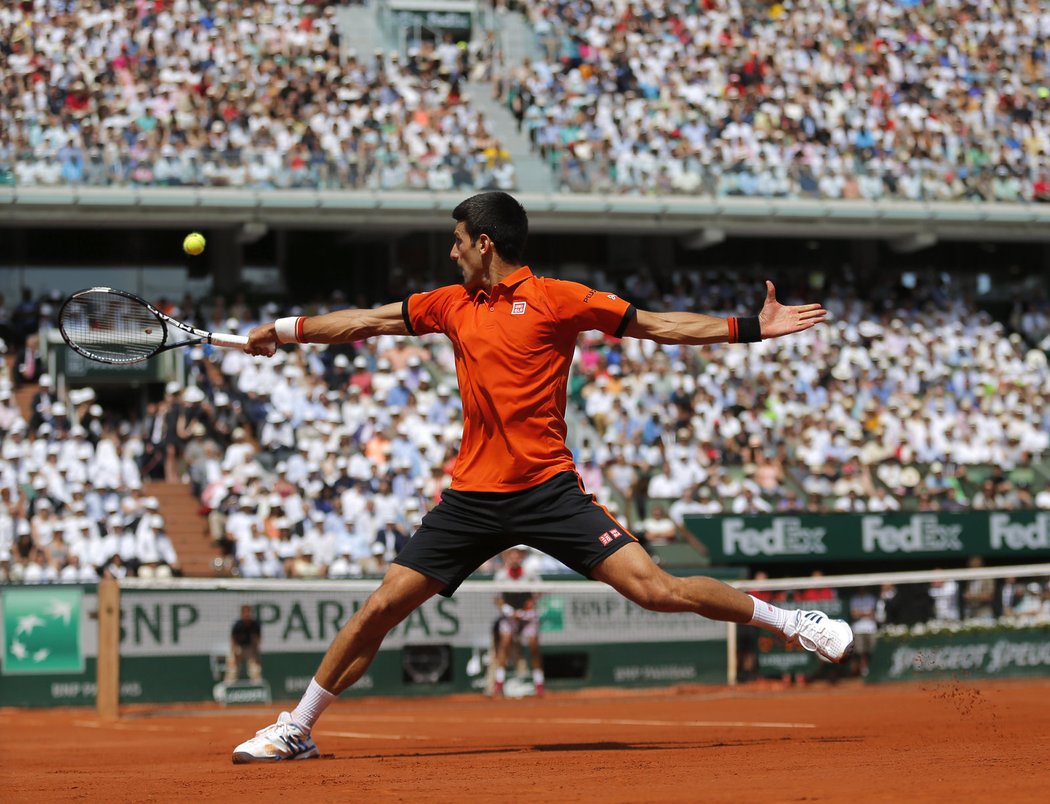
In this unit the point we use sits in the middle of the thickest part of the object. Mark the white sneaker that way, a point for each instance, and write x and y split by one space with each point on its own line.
285 739
831 640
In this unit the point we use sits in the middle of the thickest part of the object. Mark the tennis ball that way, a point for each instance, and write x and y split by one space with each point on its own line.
193 244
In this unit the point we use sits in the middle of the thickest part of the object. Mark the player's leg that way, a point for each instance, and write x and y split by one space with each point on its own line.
403 590
254 661
633 574
346 660
562 519
499 662
232 663
530 634
456 537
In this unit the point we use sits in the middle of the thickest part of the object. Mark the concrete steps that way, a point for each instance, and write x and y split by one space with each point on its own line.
186 528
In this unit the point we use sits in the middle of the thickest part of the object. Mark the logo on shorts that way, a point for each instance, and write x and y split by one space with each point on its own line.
609 536
518 308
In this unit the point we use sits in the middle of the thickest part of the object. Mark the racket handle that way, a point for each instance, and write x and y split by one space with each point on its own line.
232 341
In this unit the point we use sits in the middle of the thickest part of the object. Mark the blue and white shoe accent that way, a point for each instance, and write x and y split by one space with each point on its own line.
831 640
285 739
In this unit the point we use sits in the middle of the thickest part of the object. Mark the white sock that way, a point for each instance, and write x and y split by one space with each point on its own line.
314 701
537 676
770 617
501 675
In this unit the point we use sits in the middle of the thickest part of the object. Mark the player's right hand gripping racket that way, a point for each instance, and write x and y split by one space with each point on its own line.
114 326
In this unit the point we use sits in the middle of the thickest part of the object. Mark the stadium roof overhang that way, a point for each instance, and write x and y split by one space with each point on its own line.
701 220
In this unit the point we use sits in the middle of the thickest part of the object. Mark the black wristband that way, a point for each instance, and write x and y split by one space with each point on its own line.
748 329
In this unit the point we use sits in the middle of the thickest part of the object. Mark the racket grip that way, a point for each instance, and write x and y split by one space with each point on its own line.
232 341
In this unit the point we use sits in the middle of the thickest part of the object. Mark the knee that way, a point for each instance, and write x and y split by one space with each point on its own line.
395 599
383 609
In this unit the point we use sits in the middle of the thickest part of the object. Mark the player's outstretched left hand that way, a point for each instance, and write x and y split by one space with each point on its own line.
777 319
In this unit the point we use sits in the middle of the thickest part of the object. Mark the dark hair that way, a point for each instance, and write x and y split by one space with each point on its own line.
499 216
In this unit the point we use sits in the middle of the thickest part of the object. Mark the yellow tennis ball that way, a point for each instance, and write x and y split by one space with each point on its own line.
193 244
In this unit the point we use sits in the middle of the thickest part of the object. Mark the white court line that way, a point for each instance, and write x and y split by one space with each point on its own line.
701 724
591 721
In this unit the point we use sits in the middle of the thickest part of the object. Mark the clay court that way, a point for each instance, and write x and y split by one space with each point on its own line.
916 742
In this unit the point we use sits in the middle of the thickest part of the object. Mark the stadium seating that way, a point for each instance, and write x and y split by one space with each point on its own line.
906 100
803 99
228 95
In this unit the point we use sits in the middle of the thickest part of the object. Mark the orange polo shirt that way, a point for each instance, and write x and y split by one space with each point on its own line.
513 352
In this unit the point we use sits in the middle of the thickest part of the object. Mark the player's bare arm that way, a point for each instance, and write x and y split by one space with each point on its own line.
775 320
342 326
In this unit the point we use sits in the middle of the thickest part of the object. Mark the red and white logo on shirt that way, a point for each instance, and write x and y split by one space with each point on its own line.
609 536
518 308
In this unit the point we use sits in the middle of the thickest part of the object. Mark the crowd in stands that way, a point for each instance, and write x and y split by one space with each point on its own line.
925 405
246 94
901 99
72 508
322 460
895 99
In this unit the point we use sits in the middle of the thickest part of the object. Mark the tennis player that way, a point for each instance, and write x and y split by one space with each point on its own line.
514 481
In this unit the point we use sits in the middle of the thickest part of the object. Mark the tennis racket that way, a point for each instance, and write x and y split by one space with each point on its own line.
114 326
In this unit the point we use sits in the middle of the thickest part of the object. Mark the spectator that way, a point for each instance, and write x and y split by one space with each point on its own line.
245 647
658 528
945 595
978 595
863 605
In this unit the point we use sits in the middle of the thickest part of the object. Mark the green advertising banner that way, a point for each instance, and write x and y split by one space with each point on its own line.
773 658
995 653
42 631
1021 535
174 642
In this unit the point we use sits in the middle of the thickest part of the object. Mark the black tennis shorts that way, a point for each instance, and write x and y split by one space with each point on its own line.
467 528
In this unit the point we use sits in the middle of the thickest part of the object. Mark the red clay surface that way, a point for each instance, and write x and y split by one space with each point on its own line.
929 742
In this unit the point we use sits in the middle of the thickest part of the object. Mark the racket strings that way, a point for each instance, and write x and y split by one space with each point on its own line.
111 327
